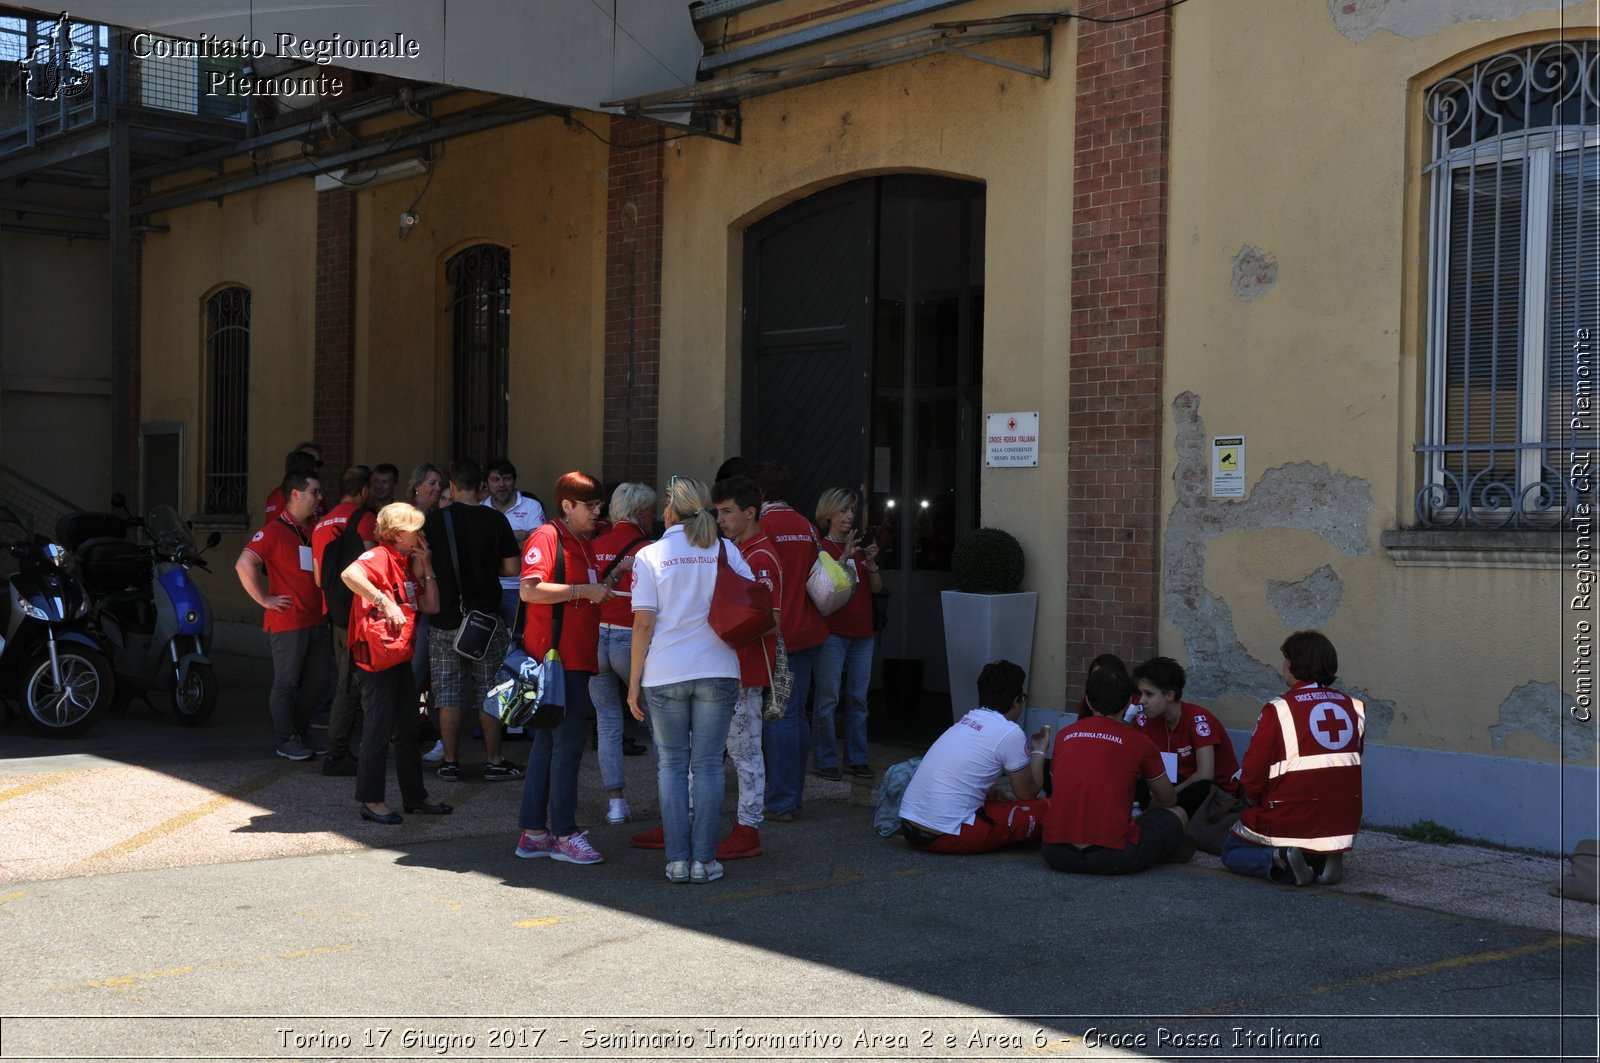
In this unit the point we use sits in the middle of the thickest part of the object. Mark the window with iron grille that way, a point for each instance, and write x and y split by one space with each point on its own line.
480 350
227 402
1514 278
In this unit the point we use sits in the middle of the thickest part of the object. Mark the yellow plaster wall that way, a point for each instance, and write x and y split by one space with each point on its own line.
1291 138
539 188
945 115
264 240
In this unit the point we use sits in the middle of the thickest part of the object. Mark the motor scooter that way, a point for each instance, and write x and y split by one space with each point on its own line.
53 666
153 616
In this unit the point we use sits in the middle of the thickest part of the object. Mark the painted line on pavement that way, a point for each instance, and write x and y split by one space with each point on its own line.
18 895
41 783
126 980
183 819
1452 963
528 924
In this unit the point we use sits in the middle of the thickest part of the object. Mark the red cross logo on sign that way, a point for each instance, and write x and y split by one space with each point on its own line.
1012 424
1331 726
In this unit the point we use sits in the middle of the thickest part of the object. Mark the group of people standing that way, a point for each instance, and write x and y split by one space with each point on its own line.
389 583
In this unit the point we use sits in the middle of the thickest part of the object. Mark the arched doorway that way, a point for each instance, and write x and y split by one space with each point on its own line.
863 366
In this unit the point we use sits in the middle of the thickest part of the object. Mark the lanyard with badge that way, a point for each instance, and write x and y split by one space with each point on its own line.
305 542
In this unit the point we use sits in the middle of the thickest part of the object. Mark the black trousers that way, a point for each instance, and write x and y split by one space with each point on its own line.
389 710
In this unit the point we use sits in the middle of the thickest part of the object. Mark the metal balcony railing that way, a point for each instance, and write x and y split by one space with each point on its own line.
58 75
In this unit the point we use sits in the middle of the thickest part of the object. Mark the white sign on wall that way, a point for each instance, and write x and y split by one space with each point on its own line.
1012 441
1227 466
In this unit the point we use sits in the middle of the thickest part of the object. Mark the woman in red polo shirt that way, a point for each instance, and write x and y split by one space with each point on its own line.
393 582
561 584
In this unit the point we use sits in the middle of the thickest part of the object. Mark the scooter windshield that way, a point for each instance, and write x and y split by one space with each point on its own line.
170 533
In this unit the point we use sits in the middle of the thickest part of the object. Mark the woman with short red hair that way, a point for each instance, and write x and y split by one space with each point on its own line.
561 587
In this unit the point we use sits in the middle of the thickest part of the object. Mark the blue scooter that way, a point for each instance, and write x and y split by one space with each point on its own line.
151 613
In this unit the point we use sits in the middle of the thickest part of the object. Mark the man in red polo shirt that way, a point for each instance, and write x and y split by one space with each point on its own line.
344 707
277 569
787 740
305 458
1099 760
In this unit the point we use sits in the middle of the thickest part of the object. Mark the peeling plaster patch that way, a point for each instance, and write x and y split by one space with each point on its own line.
1301 496
1360 19
1541 709
1254 273
1308 602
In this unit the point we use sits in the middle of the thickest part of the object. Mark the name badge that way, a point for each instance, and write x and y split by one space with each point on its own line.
592 577
305 559
1170 760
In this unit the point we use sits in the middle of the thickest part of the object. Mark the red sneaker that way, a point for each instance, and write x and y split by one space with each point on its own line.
650 839
741 843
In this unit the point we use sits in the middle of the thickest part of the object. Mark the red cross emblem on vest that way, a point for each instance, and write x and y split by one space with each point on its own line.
1331 725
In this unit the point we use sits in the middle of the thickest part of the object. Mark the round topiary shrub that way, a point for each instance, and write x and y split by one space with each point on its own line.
987 561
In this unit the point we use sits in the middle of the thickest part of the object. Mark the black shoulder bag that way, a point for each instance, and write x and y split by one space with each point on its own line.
478 629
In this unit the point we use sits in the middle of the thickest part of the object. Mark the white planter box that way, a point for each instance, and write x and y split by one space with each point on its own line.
979 628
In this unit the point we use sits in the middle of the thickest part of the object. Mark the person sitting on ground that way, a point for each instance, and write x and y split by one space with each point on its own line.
1302 774
1116 664
1193 743
950 805
1098 762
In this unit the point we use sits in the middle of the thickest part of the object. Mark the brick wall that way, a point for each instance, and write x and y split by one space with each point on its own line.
335 333
1119 231
633 301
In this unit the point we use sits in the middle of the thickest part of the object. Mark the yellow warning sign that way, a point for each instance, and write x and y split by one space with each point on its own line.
1227 467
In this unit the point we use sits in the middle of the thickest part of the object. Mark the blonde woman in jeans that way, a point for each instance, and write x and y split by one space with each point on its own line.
685 675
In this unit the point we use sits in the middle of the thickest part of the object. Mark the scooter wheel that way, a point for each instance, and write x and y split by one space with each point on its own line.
78 703
194 699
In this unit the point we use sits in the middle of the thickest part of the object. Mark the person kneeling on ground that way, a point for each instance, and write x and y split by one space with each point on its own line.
1302 774
1098 762
949 805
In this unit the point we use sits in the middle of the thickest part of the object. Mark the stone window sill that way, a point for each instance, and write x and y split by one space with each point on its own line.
1473 549
226 523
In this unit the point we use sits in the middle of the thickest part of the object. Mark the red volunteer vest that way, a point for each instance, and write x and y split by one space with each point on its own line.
1302 772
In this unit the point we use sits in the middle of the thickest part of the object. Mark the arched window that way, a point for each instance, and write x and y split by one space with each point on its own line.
480 350
1515 187
227 401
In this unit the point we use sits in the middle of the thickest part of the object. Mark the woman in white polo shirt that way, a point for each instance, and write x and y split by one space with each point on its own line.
685 675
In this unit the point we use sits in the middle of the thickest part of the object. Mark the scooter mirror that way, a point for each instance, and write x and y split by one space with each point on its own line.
213 539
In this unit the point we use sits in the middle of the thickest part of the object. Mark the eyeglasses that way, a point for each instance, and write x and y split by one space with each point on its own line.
593 507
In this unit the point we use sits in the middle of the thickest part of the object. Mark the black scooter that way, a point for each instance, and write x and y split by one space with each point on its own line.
55 668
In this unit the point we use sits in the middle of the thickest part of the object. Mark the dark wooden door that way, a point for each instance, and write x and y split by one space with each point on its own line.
808 340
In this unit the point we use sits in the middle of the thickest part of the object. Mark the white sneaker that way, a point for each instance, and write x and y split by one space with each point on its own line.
619 812
709 871
434 755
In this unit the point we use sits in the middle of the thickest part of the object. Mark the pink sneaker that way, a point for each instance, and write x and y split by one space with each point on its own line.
575 849
531 845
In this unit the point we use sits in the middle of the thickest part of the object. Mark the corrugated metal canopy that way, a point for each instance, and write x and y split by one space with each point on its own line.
574 53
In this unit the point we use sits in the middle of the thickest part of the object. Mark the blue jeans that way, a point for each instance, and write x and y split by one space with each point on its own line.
785 740
690 723
846 664
607 690
1246 858
550 789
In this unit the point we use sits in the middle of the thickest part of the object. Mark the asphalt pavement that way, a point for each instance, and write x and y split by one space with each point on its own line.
168 893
